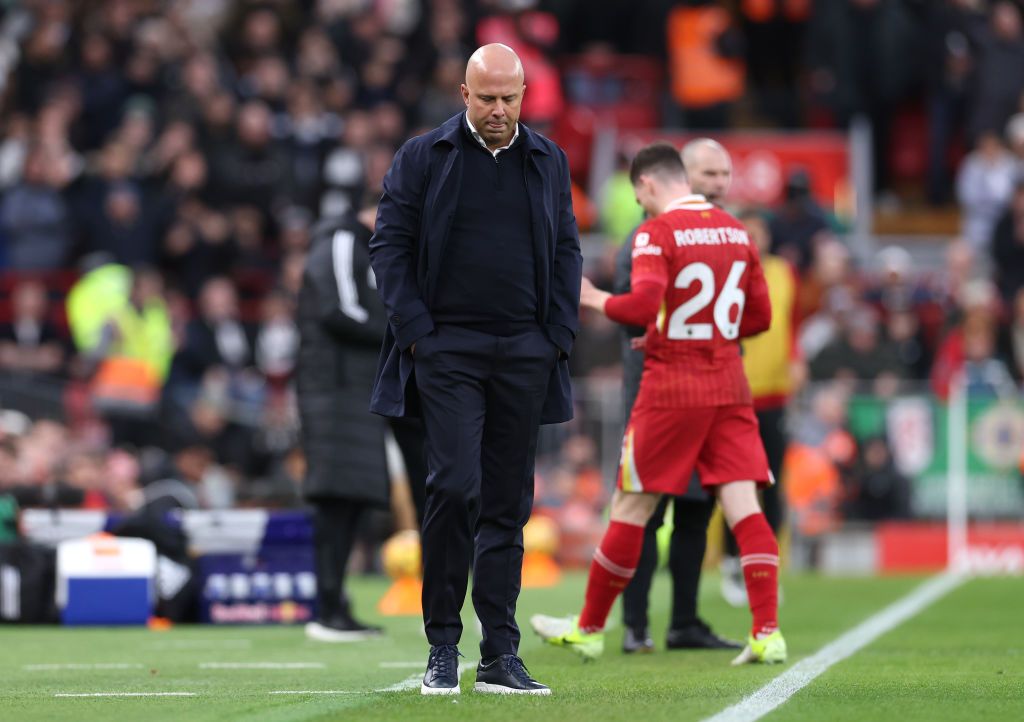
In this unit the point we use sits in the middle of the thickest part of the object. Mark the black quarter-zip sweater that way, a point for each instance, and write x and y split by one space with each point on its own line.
487 278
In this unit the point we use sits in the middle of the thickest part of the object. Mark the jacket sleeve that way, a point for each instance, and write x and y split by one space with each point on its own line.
393 248
757 311
344 301
564 304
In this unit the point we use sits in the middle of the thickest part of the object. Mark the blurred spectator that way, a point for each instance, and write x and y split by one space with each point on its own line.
797 222
775 39
31 344
133 357
34 217
904 334
706 66
984 185
216 339
877 490
441 99
861 354
124 225
970 349
1008 246
620 213
830 271
857 54
251 169
102 89
999 76
903 299
534 35
277 341
951 31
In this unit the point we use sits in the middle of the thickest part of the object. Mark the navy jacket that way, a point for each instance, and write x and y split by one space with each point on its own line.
413 221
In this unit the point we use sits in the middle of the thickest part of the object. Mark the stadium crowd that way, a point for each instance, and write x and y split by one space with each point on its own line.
162 163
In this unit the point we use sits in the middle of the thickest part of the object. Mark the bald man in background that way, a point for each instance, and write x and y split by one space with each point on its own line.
477 259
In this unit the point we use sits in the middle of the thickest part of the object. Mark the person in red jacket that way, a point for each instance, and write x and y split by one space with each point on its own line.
698 287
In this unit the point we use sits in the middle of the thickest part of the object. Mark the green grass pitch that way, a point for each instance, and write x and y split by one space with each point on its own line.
960 659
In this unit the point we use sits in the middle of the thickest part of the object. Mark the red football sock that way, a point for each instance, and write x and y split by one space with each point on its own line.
613 566
759 558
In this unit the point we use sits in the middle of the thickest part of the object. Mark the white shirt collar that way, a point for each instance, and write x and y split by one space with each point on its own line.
483 144
692 202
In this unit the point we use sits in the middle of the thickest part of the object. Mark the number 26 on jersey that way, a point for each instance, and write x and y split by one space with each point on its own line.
729 297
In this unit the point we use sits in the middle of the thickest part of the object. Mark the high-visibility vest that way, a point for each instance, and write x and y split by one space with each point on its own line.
767 356
700 76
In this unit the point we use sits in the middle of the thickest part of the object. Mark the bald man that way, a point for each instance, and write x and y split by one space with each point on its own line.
709 168
477 259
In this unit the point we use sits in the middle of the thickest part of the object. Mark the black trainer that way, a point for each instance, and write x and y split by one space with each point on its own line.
442 675
697 636
341 627
506 674
637 641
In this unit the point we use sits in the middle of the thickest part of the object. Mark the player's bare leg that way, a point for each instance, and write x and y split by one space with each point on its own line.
759 558
610 571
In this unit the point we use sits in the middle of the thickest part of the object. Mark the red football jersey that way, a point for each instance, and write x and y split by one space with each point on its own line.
699 262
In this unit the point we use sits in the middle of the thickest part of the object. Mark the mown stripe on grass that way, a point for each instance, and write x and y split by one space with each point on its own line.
780 689
98 665
125 694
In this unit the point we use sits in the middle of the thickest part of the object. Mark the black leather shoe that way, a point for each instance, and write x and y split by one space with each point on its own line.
506 674
442 675
638 641
698 636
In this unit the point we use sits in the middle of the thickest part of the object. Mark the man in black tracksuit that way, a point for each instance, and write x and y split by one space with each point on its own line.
341 319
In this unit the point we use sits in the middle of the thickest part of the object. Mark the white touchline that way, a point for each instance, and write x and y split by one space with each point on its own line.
780 689
261 665
98 665
412 682
125 694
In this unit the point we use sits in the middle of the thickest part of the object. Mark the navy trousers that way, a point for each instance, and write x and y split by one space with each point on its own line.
481 397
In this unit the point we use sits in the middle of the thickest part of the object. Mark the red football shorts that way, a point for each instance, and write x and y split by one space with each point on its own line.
661 447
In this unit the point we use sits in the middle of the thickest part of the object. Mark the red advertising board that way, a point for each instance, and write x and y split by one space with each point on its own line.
763 160
907 547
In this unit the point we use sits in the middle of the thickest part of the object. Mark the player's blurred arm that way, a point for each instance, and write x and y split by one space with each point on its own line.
648 280
639 307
